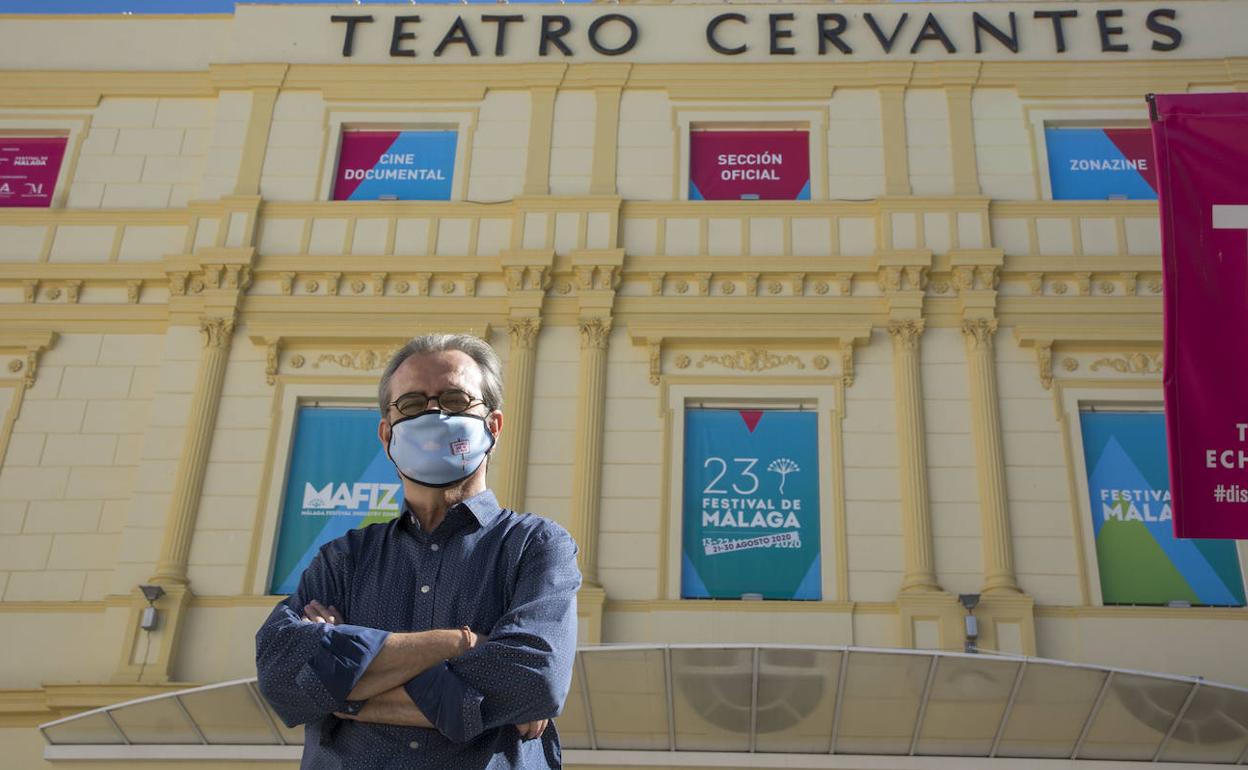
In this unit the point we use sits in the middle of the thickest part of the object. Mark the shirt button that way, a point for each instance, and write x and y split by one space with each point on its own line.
414 744
424 589
433 547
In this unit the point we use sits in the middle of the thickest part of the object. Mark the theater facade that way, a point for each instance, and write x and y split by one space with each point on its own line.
831 331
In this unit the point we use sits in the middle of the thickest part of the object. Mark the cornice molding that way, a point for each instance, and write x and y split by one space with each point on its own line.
85 88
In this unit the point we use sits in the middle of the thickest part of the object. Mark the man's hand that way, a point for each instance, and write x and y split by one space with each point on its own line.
534 729
319 613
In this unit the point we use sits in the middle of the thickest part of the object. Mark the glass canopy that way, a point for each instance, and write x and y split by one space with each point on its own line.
765 699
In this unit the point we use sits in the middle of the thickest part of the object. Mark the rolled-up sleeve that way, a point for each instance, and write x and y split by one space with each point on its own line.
306 669
522 673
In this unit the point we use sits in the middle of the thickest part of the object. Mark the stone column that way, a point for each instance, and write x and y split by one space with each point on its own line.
514 447
989 460
587 471
893 123
920 571
193 463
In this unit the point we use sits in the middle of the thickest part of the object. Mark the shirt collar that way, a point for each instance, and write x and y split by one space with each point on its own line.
483 507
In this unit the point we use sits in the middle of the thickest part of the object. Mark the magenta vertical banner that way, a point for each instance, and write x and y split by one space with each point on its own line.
1201 145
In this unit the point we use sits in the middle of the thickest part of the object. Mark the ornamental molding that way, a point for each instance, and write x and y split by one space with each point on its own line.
979 332
363 360
1131 363
23 350
523 332
906 333
594 332
217 332
751 360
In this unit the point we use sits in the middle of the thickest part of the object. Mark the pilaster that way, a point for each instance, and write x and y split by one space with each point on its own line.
541 129
514 446
606 140
893 124
962 140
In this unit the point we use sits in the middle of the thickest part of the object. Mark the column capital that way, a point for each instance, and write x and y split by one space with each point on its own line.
594 332
906 333
217 331
523 331
979 332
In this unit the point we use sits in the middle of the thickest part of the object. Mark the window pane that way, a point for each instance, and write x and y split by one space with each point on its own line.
1214 729
228 715
156 721
94 729
628 698
713 694
796 699
965 706
1052 704
881 702
1136 713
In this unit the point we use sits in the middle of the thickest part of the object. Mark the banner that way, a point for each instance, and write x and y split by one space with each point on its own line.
749 165
1140 559
1201 142
751 505
340 479
29 166
1101 163
395 165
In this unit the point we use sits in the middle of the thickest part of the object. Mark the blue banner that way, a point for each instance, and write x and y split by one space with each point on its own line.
340 479
1139 558
396 165
1101 163
751 505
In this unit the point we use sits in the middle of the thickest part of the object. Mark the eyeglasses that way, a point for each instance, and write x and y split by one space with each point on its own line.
451 401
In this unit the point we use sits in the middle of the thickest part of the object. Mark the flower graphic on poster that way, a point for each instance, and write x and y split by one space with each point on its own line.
784 466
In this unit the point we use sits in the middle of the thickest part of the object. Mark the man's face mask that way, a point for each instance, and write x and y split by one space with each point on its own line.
435 449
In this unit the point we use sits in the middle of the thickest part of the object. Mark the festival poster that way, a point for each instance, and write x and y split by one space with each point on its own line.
340 479
1140 559
1101 163
29 166
395 165
751 505
1201 143
749 165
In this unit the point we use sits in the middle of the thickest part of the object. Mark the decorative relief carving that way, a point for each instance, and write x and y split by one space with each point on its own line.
177 283
420 282
217 332
312 286
989 277
238 277
656 284
271 353
357 286
133 288
297 361
979 334
890 278
379 284
656 361
16 365
211 276
584 275
940 287
906 333
513 277
821 288
847 366
1107 287
682 361
964 277
71 291
1129 281
1154 285
1044 358
1132 363
365 360
1084 283
448 287
287 283
728 288
470 284
30 290
751 284
331 283
752 360
523 332
1070 364
798 284
846 281
196 286
704 284
54 293
1035 284
821 362
682 287
775 287
402 287
594 332
916 277
564 287
1060 288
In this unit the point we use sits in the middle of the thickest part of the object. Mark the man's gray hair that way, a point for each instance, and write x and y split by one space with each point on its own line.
476 348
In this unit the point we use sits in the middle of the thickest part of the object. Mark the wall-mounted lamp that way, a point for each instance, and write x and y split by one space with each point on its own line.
151 593
970 601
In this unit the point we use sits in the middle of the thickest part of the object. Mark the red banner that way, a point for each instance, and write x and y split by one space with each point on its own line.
28 169
1201 145
749 165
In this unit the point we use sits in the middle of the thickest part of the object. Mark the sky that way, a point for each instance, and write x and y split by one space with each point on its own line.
189 6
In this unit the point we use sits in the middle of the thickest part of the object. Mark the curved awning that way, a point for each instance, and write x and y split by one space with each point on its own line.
759 705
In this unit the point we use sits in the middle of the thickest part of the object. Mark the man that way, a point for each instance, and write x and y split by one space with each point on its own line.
444 638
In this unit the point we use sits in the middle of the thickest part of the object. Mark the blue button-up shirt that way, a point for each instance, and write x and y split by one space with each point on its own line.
508 575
